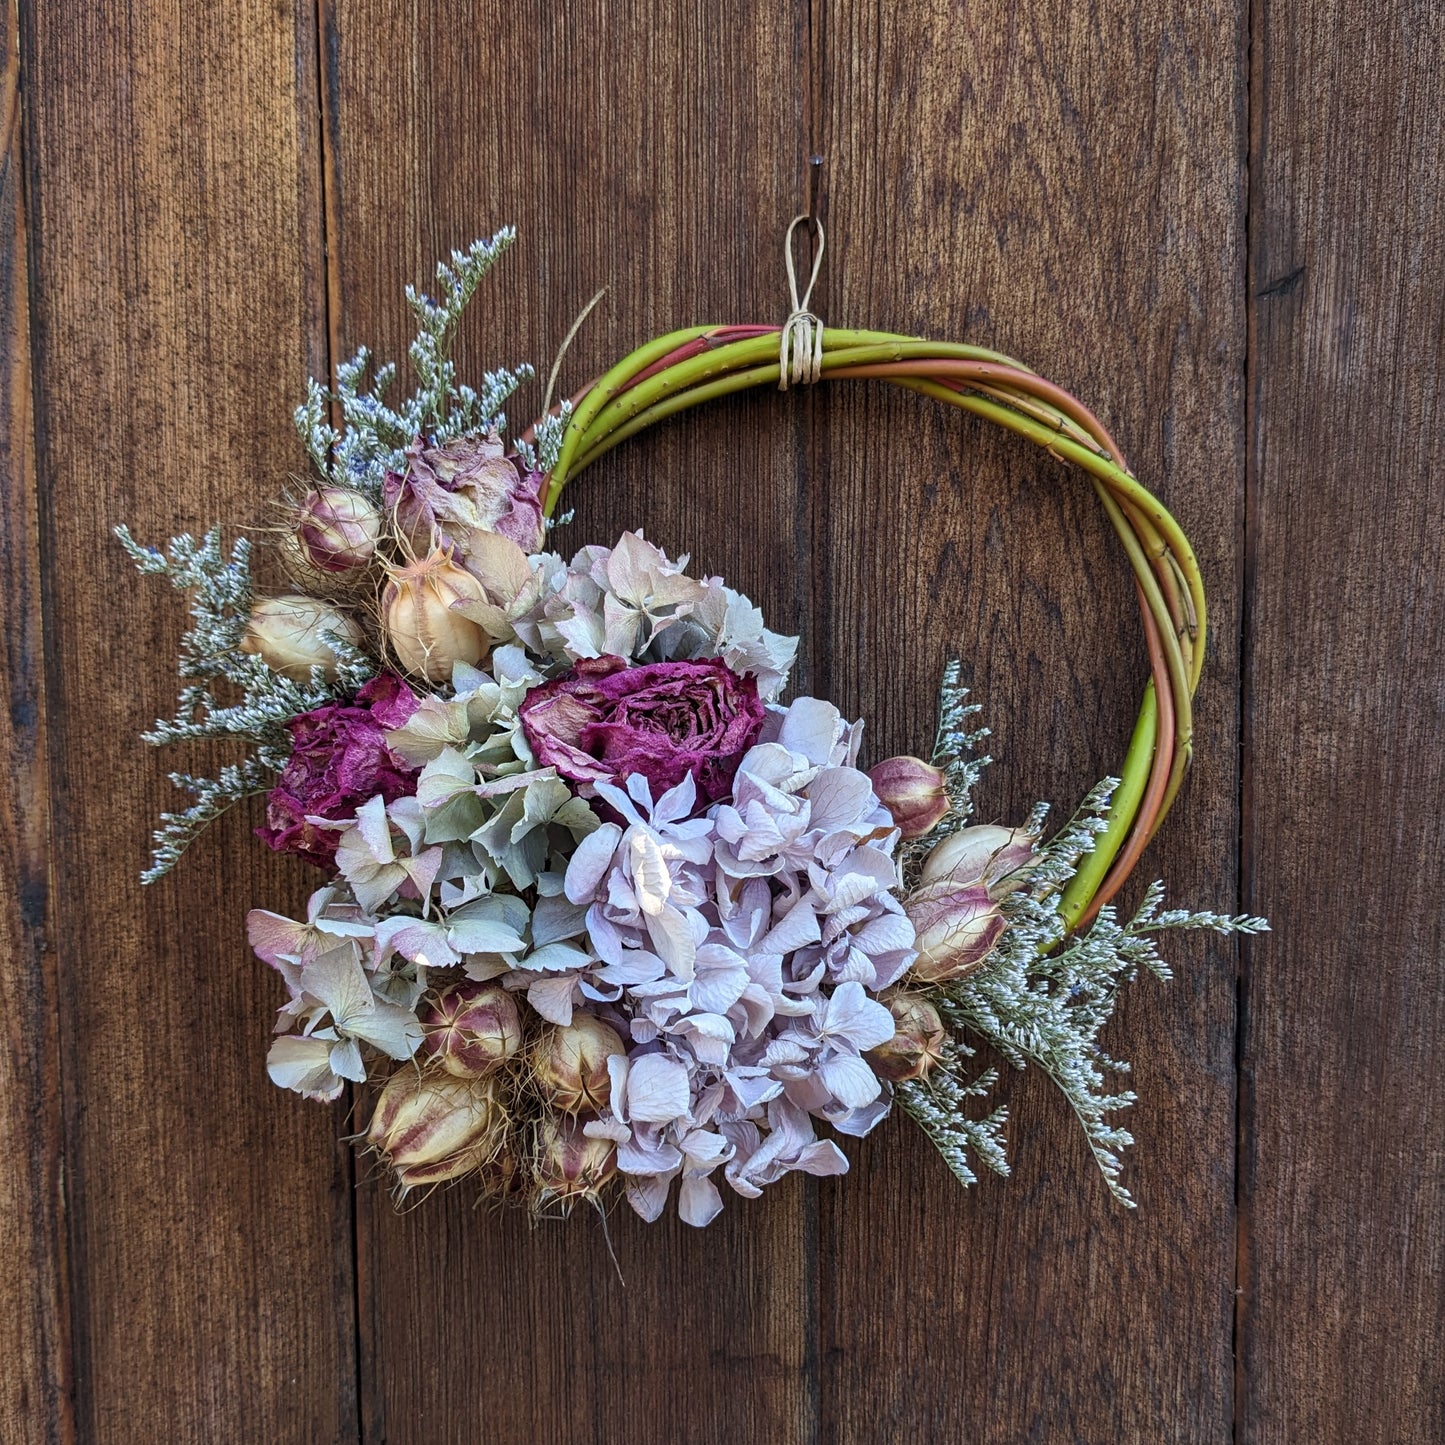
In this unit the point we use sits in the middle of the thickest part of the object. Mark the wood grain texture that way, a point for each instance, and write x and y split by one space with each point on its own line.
1071 192
214 201
177 265
34 1305
1342 1186
652 149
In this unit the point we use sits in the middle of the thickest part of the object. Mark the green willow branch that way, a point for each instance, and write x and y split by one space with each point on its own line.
690 367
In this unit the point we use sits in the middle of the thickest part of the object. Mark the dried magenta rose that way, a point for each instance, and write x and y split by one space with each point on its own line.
605 721
339 760
466 485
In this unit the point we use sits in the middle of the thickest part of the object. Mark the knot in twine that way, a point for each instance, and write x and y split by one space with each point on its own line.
800 349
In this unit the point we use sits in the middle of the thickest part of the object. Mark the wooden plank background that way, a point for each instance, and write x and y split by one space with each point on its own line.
1221 224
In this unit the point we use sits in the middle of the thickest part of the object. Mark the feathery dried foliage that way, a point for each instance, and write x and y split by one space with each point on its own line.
373 435
1044 996
221 595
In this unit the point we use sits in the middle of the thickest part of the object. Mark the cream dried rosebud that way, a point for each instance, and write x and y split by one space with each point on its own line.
913 793
956 926
569 1064
425 632
337 528
568 1165
293 634
471 1029
917 1045
987 855
430 1126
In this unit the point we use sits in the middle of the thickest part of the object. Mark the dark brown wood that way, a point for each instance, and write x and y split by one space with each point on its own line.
1342 1183
177 267
654 150
34 1308
214 201
1071 192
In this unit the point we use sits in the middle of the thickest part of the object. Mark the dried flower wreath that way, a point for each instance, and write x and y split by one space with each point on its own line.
600 909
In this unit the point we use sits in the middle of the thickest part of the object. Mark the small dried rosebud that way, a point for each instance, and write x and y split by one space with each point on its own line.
917 1045
912 791
293 634
956 927
569 1064
568 1165
471 1029
426 633
430 1126
336 528
986 855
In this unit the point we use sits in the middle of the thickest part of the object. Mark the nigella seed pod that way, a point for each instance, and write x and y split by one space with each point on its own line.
505 1179
916 1047
913 793
425 632
293 634
985 855
569 1166
956 927
337 528
569 1064
471 1029
429 1126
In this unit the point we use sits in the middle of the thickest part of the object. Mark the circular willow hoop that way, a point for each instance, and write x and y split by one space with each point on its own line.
686 368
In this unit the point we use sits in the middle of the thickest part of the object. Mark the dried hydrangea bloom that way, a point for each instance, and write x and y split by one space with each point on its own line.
633 601
723 623
334 1010
620 600
743 949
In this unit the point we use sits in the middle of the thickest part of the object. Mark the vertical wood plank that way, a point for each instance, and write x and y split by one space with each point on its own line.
1062 182
1343 1172
177 259
658 150
34 1307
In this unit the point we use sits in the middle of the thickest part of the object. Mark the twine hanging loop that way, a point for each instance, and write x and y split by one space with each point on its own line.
800 348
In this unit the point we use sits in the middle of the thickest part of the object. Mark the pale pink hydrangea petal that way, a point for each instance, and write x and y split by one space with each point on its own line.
553 998
821 1159
850 1080
851 1015
812 727
857 1122
589 864
658 1090
698 1200
648 1194
304 1064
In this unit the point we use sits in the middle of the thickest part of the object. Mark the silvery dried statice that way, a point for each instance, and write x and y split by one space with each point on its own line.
373 436
1044 996
371 439
221 595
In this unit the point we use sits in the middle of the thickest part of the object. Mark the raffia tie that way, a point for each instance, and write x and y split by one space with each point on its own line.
800 349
